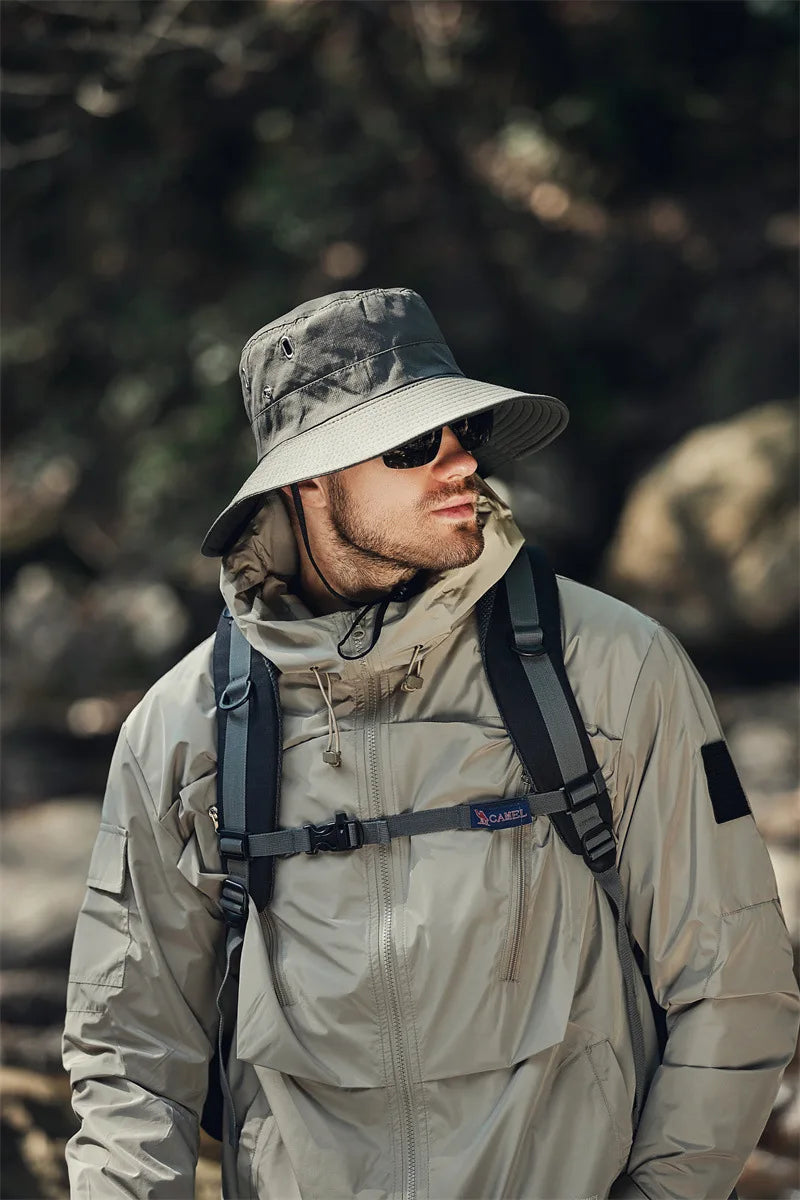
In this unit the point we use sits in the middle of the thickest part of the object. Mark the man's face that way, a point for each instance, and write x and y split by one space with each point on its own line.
389 517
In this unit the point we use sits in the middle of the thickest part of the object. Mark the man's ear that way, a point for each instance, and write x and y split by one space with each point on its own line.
312 493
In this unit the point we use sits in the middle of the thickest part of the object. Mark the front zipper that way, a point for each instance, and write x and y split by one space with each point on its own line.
387 958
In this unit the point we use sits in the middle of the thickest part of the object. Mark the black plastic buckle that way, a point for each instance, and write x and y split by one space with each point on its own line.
599 848
233 845
581 792
343 833
597 842
234 902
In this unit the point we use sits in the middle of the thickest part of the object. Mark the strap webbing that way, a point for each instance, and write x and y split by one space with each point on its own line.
249 741
539 669
235 702
575 761
233 946
380 831
611 884
249 752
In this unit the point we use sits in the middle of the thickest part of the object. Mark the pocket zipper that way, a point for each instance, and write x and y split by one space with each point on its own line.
509 969
282 992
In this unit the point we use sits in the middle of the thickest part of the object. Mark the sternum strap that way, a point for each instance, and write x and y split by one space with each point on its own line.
491 816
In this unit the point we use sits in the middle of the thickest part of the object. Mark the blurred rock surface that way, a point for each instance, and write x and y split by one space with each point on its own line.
708 539
64 636
44 853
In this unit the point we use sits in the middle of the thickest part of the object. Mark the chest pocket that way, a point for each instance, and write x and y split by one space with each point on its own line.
102 935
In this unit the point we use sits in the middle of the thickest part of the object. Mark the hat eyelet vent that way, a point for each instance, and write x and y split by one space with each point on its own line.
287 347
266 393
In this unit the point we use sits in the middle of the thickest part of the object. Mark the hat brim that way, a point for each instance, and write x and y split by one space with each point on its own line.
523 423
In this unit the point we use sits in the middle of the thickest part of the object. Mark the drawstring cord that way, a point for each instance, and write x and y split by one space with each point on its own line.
332 753
400 593
413 679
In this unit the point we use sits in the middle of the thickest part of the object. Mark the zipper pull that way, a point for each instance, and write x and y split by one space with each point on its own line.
212 812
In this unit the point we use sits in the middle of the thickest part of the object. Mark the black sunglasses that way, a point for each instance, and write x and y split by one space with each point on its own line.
472 432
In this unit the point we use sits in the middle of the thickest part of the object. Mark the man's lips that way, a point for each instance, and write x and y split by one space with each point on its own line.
458 502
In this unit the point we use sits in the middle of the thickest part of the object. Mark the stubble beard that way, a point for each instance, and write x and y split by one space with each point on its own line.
369 554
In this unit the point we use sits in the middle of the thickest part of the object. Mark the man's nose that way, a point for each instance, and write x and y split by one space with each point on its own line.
452 458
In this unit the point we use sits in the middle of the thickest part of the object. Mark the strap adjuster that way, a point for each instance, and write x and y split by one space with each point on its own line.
599 848
597 838
583 791
235 694
233 845
234 902
341 834
527 641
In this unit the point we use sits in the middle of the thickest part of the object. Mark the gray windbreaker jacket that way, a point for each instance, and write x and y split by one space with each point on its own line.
444 1016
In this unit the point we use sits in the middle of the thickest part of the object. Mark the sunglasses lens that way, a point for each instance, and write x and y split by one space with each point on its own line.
475 431
472 432
416 453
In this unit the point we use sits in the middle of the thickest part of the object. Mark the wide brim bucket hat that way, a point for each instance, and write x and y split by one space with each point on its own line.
349 376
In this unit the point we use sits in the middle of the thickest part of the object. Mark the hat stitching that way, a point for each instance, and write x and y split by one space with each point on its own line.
332 420
494 443
348 367
333 304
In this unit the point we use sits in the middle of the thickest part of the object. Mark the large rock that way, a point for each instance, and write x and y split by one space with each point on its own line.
708 540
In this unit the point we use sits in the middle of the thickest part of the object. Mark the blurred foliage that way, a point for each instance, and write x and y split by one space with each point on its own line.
595 197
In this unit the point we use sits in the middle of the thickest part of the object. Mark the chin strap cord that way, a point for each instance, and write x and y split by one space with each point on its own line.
403 591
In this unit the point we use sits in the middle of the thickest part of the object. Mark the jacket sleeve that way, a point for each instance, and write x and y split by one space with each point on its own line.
704 908
141 1007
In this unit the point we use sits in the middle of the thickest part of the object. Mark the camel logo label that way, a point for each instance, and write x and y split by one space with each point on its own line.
501 814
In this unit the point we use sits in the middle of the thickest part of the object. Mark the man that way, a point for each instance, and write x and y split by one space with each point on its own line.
441 1015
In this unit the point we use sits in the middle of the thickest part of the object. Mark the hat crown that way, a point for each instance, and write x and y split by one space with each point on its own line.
360 342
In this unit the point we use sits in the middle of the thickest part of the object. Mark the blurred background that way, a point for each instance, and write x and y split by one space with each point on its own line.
597 200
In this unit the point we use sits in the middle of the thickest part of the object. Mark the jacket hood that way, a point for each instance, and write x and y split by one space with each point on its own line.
256 581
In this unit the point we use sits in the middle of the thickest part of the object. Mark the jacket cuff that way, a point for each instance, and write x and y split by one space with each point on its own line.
624 1188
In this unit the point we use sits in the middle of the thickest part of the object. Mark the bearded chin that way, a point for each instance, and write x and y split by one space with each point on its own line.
358 535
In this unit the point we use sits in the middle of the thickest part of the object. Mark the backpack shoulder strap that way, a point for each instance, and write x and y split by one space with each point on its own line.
249 746
519 625
249 750
520 635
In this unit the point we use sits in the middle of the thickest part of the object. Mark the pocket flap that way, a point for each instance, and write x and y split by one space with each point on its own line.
107 867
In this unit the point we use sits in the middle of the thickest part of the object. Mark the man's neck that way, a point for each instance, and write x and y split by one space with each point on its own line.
308 586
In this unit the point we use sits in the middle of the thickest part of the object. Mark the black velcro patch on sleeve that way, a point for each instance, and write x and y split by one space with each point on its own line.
726 792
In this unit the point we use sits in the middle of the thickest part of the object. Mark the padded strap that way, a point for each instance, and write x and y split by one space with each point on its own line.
577 768
234 704
249 742
584 786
